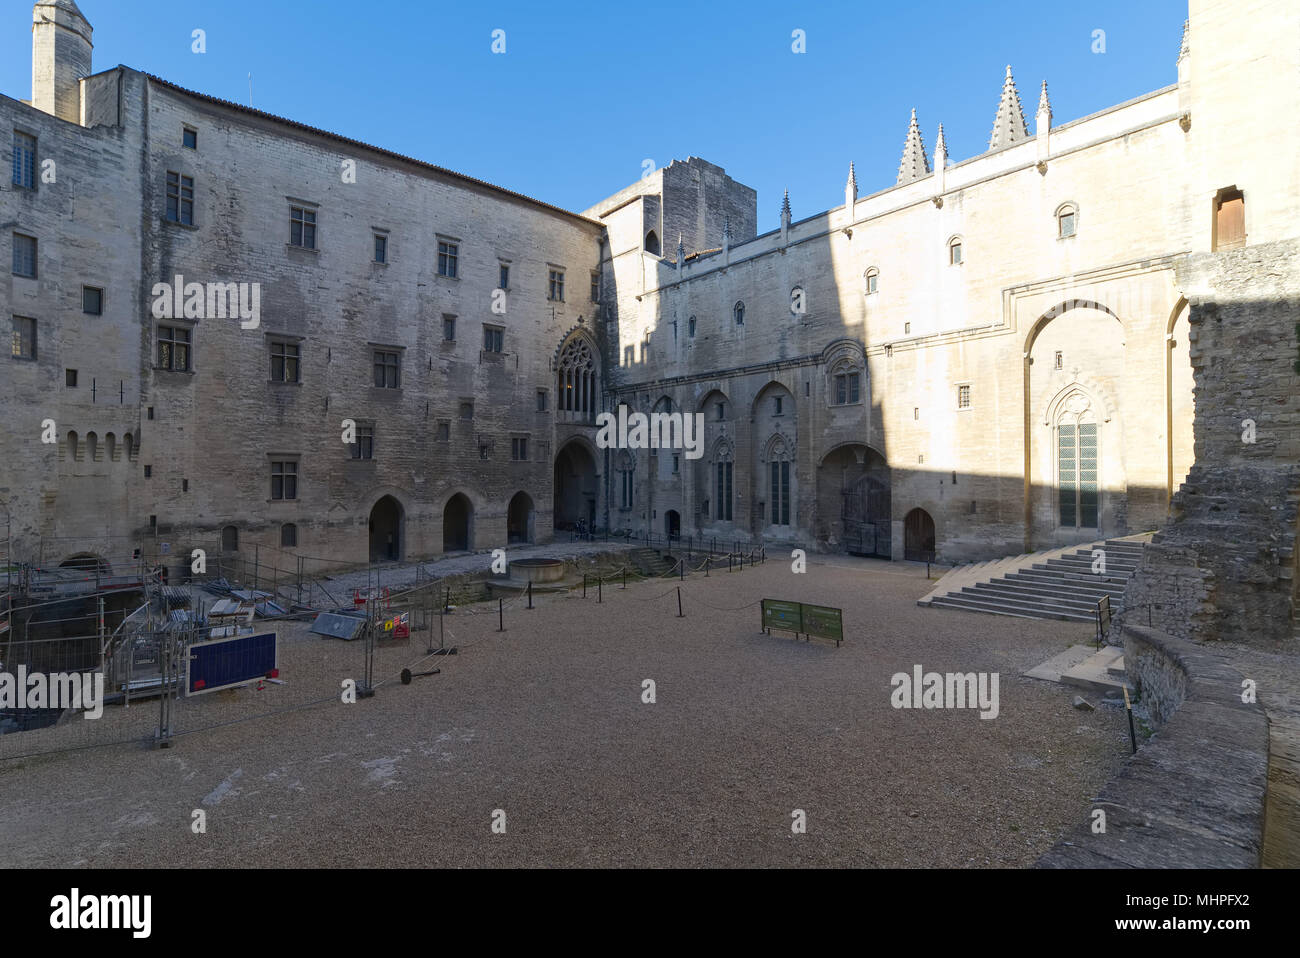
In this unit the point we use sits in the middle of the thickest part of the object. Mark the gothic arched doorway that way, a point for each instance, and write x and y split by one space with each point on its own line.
457 522
386 530
519 518
673 524
575 487
918 536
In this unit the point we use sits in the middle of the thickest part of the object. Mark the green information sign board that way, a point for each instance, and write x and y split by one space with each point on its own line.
824 622
799 618
782 615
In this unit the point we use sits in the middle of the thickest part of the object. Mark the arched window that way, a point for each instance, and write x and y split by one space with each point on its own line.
288 536
92 446
74 450
129 441
1067 220
110 442
724 472
652 243
954 251
846 384
778 487
230 539
872 280
739 312
1077 458
798 301
626 471
690 327
577 385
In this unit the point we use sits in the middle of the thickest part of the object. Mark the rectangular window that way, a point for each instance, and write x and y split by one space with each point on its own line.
285 362
722 411
70 378
519 449
677 464
485 450
542 397
493 339
284 479
1077 478
24 338
954 254
190 138
364 447
448 328
503 279
555 291
595 287
467 410
302 227
443 433
690 327
388 369
448 254
180 198
1229 219
24 255
724 471
174 348
776 405
288 536
92 301
963 397
24 161
381 248
1067 225
1060 360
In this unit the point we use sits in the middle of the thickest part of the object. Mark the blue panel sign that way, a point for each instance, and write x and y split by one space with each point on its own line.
226 663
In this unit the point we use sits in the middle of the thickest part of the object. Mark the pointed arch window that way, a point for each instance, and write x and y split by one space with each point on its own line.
779 483
1078 451
724 473
577 384
652 243
738 311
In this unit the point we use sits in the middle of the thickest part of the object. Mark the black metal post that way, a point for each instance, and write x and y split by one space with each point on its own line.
501 615
584 585
1128 707
530 593
600 588
679 603
625 575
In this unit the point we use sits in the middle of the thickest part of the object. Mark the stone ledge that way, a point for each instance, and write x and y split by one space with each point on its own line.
1193 797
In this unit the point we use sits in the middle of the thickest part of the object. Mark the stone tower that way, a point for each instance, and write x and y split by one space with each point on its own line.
61 46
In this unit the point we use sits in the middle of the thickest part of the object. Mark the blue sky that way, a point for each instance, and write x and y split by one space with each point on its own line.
583 95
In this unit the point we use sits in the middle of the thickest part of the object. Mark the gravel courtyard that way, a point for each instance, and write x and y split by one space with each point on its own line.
546 723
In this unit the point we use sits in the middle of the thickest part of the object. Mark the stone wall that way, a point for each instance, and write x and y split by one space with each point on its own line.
1224 567
1193 797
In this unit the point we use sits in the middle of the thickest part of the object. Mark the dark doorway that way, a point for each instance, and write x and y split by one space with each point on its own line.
519 519
853 502
575 487
386 530
229 539
456 521
918 536
672 524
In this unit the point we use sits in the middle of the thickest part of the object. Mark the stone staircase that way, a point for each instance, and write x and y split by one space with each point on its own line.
649 562
1055 584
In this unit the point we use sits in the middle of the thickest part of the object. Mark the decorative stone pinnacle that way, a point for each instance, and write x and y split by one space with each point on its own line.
1186 44
915 163
1044 104
1009 123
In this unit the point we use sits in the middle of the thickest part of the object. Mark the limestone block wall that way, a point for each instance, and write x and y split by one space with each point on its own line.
1225 565
84 215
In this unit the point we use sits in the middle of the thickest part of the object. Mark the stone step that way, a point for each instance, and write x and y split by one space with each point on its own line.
1026 597
1004 607
1093 587
1065 586
1084 564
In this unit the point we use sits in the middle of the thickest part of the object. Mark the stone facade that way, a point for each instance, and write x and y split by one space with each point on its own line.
893 377
1225 565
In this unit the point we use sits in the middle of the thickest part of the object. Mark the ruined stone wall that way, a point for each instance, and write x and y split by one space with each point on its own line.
1224 567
